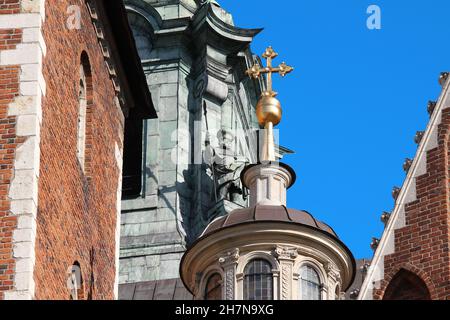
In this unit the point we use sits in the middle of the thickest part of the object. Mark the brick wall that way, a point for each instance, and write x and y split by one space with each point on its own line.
422 245
76 218
52 213
9 6
9 80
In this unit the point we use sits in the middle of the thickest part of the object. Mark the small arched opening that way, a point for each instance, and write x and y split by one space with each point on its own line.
406 285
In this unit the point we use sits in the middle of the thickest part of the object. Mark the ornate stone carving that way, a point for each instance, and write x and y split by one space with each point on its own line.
364 268
226 166
286 271
332 271
395 193
229 284
407 164
419 136
288 253
431 106
443 78
385 217
374 244
230 258
354 294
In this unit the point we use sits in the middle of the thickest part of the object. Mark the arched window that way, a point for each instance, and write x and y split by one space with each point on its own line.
258 280
84 103
75 282
310 285
213 289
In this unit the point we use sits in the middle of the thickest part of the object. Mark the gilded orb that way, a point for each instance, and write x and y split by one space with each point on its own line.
268 109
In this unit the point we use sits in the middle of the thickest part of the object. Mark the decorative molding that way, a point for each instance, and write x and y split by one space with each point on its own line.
332 271
230 258
229 284
286 280
105 48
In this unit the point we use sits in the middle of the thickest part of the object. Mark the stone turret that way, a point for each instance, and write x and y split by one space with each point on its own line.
195 61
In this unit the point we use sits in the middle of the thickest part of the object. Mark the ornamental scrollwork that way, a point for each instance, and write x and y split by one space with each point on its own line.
230 257
289 253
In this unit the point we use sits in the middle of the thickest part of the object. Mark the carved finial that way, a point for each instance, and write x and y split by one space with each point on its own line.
419 136
407 164
443 78
431 106
354 294
374 244
395 193
365 267
268 108
385 217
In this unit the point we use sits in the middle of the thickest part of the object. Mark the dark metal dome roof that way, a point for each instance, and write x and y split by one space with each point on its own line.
261 213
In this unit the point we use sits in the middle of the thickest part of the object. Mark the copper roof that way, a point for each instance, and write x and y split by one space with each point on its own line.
261 213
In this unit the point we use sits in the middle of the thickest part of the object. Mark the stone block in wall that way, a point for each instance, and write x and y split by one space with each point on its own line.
152 127
168 108
168 160
168 134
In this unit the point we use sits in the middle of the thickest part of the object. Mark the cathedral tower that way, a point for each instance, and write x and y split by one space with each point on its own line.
195 59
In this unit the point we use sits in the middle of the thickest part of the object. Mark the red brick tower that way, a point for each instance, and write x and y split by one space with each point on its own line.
67 79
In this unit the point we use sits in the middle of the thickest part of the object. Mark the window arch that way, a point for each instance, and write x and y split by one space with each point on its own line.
84 109
310 284
75 282
213 288
143 34
406 285
258 280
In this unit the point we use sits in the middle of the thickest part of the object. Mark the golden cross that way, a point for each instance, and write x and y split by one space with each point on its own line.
283 69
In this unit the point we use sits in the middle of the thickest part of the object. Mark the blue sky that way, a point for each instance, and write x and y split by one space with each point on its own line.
355 101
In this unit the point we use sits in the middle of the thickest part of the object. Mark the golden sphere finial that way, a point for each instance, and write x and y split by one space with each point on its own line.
268 109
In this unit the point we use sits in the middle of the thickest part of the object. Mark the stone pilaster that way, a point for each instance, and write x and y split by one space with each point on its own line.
286 257
229 263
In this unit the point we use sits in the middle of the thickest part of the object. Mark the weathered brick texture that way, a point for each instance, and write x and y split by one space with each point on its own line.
77 209
9 81
76 218
9 6
422 246
9 38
